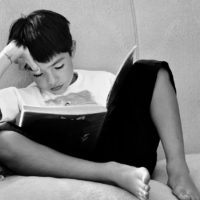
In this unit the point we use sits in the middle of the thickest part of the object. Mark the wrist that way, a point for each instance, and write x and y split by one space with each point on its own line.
12 51
4 63
4 60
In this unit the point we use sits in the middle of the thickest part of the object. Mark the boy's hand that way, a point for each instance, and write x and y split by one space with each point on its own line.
19 55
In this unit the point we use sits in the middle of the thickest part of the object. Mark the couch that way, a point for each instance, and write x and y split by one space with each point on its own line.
102 29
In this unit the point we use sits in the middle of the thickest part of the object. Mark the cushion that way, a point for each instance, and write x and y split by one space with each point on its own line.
40 188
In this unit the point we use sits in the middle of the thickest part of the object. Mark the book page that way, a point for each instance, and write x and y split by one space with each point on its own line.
70 109
121 74
130 55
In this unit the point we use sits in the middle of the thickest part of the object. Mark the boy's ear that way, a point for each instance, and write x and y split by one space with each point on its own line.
73 47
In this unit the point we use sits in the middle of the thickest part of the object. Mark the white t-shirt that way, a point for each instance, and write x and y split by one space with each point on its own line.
97 83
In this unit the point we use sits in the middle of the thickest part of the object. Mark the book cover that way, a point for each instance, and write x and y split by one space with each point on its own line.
79 126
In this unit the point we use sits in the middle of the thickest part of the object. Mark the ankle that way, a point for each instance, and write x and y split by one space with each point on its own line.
112 171
177 167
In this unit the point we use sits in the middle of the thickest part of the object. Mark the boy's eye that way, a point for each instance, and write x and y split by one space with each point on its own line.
37 75
60 67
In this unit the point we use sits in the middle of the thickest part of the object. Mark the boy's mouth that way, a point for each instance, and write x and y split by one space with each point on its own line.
56 88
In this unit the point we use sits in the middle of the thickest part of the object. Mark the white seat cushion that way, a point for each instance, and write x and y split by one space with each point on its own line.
40 188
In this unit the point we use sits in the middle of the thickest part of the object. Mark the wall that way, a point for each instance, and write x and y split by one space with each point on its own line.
170 30
103 31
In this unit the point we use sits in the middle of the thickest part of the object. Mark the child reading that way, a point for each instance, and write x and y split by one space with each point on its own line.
143 112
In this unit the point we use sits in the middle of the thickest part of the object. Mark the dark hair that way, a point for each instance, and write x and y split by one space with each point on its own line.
45 33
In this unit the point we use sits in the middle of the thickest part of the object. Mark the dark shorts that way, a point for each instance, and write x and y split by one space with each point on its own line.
128 134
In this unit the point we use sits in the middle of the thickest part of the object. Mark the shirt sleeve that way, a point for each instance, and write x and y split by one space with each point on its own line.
9 104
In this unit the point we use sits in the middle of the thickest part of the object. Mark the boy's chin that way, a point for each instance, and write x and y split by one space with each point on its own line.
58 92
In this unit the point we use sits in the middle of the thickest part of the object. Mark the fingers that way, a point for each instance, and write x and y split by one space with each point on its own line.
28 58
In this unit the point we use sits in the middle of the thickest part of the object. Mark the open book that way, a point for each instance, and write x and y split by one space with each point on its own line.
81 123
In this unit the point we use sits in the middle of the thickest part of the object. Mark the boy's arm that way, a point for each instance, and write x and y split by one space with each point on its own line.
15 54
12 53
4 62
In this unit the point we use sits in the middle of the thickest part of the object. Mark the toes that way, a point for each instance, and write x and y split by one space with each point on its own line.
143 195
186 196
147 188
142 198
182 195
195 197
144 187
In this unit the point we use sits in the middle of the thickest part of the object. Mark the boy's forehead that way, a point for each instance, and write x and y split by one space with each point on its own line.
55 60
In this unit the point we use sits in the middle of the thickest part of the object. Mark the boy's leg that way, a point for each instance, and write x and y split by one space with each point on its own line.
165 114
129 134
155 101
27 157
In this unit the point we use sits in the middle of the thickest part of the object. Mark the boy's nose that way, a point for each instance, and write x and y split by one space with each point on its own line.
52 79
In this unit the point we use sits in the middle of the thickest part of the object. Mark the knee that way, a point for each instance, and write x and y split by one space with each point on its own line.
6 144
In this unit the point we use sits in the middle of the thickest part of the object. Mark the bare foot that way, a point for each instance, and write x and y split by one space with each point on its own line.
183 187
134 180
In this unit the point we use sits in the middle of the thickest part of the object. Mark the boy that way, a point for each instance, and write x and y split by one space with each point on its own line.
143 111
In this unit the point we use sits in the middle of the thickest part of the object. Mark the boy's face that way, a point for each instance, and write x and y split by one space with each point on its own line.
56 75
